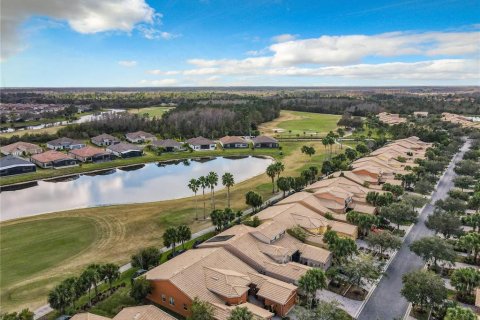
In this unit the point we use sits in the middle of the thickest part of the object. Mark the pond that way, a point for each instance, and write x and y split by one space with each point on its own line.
134 184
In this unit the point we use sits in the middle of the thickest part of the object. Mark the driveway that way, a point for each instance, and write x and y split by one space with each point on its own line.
386 302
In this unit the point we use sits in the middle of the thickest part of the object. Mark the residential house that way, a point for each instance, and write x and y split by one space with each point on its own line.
265 142
201 144
146 312
420 114
220 278
391 118
90 154
104 140
53 159
270 250
20 148
125 150
140 137
65 144
233 142
12 165
168 145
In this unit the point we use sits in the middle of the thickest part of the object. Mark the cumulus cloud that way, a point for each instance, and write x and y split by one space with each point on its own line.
153 33
162 73
127 63
83 16
284 37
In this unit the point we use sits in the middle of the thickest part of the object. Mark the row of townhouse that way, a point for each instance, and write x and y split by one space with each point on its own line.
461 120
66 152
259 268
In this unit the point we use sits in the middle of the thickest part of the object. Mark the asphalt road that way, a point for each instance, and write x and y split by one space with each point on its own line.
386 302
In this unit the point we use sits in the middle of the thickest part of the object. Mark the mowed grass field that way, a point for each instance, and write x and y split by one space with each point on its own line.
293 123
151 111
38 252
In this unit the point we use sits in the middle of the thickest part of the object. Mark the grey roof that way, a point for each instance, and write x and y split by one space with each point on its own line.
123 147
104 136
167 143
200 141
10 160
64 142
264 139
139 134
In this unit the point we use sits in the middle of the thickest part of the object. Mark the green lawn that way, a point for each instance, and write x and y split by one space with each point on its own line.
309 123
152 111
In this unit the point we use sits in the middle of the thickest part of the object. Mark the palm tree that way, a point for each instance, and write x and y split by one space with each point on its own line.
279 168
97 276
170 238
212 180
184 234
87 279
271 171
228 181
111 272
203 183
194 185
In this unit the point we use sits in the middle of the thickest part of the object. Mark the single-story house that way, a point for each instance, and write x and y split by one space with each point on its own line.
230 142
90 154
53 159
265 142
201 143
420 114
168 145
140 137
11 165
65 144
125 150
104 140
20 148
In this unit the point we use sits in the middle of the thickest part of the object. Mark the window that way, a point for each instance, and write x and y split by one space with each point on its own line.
185 307
164 298
172 301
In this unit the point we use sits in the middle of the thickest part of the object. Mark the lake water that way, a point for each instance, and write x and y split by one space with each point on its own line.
141 183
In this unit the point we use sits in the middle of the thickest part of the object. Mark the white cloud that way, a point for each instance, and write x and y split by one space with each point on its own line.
162 73
153 33
284 37
127 63
83 16
160 83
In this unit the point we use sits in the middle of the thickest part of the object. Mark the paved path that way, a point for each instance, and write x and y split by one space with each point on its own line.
386 302
46 309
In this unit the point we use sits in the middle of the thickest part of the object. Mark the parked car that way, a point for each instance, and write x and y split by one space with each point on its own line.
138 273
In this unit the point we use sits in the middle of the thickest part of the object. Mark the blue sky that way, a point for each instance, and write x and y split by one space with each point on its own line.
227 43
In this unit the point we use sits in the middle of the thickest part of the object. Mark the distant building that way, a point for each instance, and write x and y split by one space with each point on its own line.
140 137
21 148
420 114
391 118
90 154
201 144
104 140
53 159
265 142
125 150
168 145
12 165
65 144
229 142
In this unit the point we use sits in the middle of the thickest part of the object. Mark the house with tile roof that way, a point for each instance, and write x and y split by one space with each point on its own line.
125 150
220 278
146 312
391 118
104 140
65 144
20 148
90 154
53 159
233 142
169 145
201 144
265 142
140 137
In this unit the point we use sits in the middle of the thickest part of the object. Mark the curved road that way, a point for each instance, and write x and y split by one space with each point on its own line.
386 302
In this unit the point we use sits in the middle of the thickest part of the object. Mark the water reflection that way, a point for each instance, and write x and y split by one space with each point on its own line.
133 184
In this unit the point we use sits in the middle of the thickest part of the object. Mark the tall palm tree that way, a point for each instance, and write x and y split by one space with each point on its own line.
203 184
96 275
194 185
111 272
184 234
212 179
279 168
170 238
271 171
228 181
